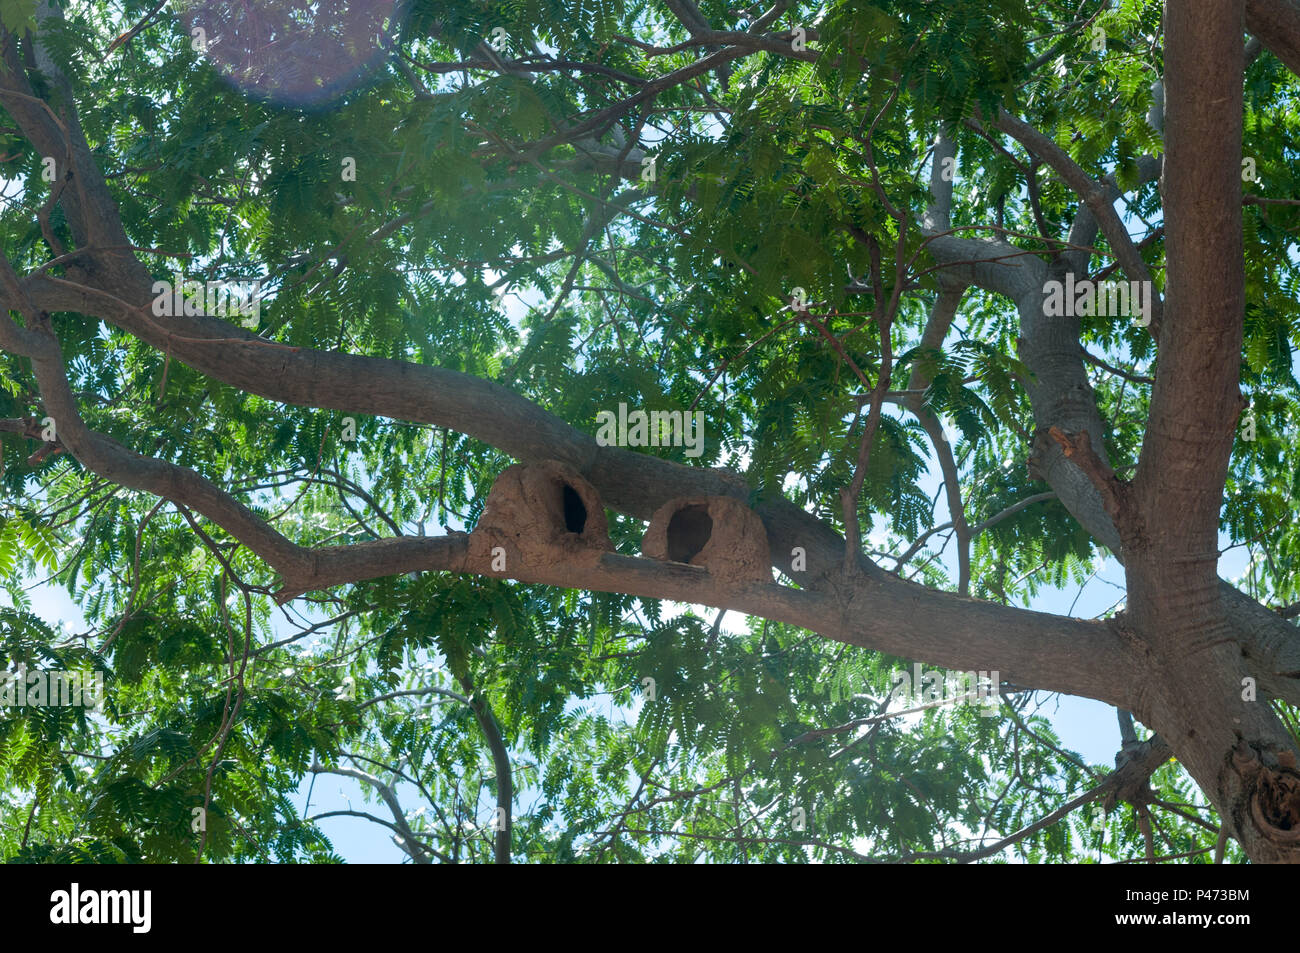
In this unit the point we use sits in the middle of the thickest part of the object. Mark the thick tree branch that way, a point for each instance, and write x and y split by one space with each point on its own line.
1114 492
1277 25
1195 400
938 214
877 610
689 15
1061 396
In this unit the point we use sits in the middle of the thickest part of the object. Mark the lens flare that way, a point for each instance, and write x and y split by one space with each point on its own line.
292 52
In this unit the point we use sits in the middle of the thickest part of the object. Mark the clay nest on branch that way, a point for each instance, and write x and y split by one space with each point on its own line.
540 513
717 532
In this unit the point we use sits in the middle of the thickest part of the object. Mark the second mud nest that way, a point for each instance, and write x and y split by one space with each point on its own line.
718 533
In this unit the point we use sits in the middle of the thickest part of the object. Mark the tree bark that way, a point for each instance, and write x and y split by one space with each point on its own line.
1237 750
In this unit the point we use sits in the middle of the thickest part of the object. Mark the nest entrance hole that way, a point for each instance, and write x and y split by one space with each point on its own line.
575 511
688 532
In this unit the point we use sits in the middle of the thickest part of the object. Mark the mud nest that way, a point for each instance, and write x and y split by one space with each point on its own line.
541 512
717 532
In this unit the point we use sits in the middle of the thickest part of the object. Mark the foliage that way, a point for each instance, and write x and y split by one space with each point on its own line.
463 243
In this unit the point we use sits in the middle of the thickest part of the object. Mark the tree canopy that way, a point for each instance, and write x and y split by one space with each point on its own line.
288 288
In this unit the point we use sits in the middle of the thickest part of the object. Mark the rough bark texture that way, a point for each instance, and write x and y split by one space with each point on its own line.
1237 750
1277 24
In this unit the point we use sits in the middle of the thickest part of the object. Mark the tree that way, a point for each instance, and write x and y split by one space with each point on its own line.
827 229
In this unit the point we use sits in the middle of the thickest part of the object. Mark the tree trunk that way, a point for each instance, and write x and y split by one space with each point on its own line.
1236 749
